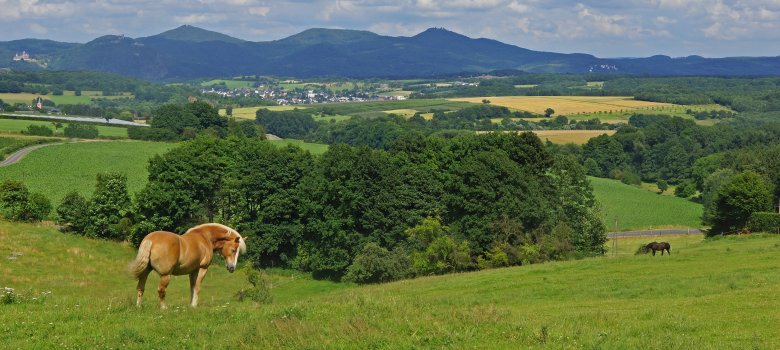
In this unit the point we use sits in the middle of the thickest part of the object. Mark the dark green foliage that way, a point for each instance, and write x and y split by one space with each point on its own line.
196 116
606 152
81 130
744 194
711 192
294 124
662 185
18 204
685 189
435 250
374 264
39 130
73 213
151 134
109 205
764 222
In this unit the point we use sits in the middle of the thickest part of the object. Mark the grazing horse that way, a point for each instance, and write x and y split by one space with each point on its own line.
188 254
658 246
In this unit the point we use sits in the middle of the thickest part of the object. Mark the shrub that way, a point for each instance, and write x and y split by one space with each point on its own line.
18 204
38 130
375 264
764 222
685 189
82 131
110 203
72 213
259 290
151 134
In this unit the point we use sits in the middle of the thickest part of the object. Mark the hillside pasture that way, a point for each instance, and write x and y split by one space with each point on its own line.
636 208
565 136
19 125
68 97
57 170
314 148
72 292
229 83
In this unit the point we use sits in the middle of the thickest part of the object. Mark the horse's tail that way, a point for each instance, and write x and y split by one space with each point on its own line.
141 262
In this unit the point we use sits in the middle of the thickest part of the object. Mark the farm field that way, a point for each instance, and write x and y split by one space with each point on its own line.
567 105
570 136
231 84
71 292
314 148
68 97
57 170
249 112
18 125
636 208
374 107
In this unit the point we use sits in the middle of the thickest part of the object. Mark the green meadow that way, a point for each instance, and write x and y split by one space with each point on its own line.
59 169
636 208
67 97
19 125
72 292
314 148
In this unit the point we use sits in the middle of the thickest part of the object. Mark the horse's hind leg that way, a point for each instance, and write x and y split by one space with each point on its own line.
141 286
164 280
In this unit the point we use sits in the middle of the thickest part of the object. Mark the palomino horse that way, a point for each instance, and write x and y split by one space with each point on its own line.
189 254
658 246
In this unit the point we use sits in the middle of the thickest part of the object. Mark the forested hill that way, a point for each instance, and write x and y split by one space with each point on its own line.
189 52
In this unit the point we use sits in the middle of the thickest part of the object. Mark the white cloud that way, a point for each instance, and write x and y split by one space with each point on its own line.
259 10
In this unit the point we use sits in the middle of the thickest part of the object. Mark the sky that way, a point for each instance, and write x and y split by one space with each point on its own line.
608 28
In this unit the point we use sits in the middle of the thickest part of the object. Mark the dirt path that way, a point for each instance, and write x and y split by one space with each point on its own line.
16 156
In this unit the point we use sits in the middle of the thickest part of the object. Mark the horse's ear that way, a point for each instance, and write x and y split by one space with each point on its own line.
244 238
238 239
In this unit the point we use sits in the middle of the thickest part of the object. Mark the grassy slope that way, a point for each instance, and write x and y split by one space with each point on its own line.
17 125
57 170
717 294
636 208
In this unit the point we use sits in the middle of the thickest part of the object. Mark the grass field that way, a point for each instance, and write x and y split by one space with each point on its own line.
314 148
68 97
72 292
362 108
231 84
57 170
636 208
18 125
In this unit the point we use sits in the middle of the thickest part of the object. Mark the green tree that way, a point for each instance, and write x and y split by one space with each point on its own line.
662 185
744 194
110 203
229 110
18 204
549 112
375 264
73 213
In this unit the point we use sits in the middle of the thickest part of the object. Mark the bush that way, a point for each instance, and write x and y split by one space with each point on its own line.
38 130
764 222
109 205
375 264
18 204
685 189
259 290
151 134
72 213
82 131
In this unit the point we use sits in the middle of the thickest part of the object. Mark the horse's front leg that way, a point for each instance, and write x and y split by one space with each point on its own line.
164 280
196 277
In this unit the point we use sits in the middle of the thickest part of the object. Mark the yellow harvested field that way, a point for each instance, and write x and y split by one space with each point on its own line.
568 105
566 136
402 112
570 136
249 112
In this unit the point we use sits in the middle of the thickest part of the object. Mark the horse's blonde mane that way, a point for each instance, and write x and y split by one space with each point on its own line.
241 243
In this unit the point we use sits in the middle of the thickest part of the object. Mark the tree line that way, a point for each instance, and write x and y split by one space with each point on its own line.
424 206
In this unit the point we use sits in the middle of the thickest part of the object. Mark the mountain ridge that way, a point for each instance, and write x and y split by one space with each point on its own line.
189 52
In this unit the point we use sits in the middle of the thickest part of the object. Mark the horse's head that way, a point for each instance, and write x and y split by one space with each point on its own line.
230 247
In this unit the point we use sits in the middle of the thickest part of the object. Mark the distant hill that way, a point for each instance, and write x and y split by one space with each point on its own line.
189 52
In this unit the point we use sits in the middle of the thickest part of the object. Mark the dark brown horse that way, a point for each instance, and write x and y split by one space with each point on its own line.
188 254
658 246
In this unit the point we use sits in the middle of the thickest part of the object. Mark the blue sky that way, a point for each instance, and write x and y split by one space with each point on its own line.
610 28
